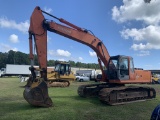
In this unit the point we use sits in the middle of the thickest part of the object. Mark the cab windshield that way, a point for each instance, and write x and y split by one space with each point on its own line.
57 67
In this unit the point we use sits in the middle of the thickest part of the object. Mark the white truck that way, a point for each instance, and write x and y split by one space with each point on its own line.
15 70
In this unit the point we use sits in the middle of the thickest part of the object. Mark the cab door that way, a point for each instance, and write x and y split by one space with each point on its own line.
131 70
123 71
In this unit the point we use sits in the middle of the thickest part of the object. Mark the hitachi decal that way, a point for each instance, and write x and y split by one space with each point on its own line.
64 30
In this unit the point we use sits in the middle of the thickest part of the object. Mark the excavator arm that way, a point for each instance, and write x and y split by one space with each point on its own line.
39 34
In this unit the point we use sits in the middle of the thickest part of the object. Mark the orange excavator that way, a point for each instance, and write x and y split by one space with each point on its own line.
120 71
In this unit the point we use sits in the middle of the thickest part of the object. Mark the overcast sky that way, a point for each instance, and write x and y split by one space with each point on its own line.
128 27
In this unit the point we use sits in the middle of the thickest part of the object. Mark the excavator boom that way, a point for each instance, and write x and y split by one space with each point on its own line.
39 27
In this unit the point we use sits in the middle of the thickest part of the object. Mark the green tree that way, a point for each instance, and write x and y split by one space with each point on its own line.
10 58
17 57
78 64
3 58
50 63
72 63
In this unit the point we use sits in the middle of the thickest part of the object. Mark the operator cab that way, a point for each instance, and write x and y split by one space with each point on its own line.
62 68
120 67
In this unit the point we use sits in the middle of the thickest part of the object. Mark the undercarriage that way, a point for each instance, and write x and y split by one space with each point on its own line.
58 83
115 94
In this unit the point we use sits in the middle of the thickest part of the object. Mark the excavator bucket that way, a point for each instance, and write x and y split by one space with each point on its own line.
37 94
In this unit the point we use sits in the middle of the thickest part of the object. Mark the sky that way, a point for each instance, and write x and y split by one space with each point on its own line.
128 27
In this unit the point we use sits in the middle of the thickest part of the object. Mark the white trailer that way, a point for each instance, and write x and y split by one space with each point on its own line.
92 74
15 70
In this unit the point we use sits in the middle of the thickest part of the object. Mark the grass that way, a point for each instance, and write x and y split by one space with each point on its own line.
68 105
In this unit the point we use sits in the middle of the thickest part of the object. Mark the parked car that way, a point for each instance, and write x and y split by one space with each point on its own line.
82 78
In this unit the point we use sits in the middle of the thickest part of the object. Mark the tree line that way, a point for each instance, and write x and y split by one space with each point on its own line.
19 58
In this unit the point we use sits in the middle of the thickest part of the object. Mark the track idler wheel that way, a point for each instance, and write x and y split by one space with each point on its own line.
38 95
